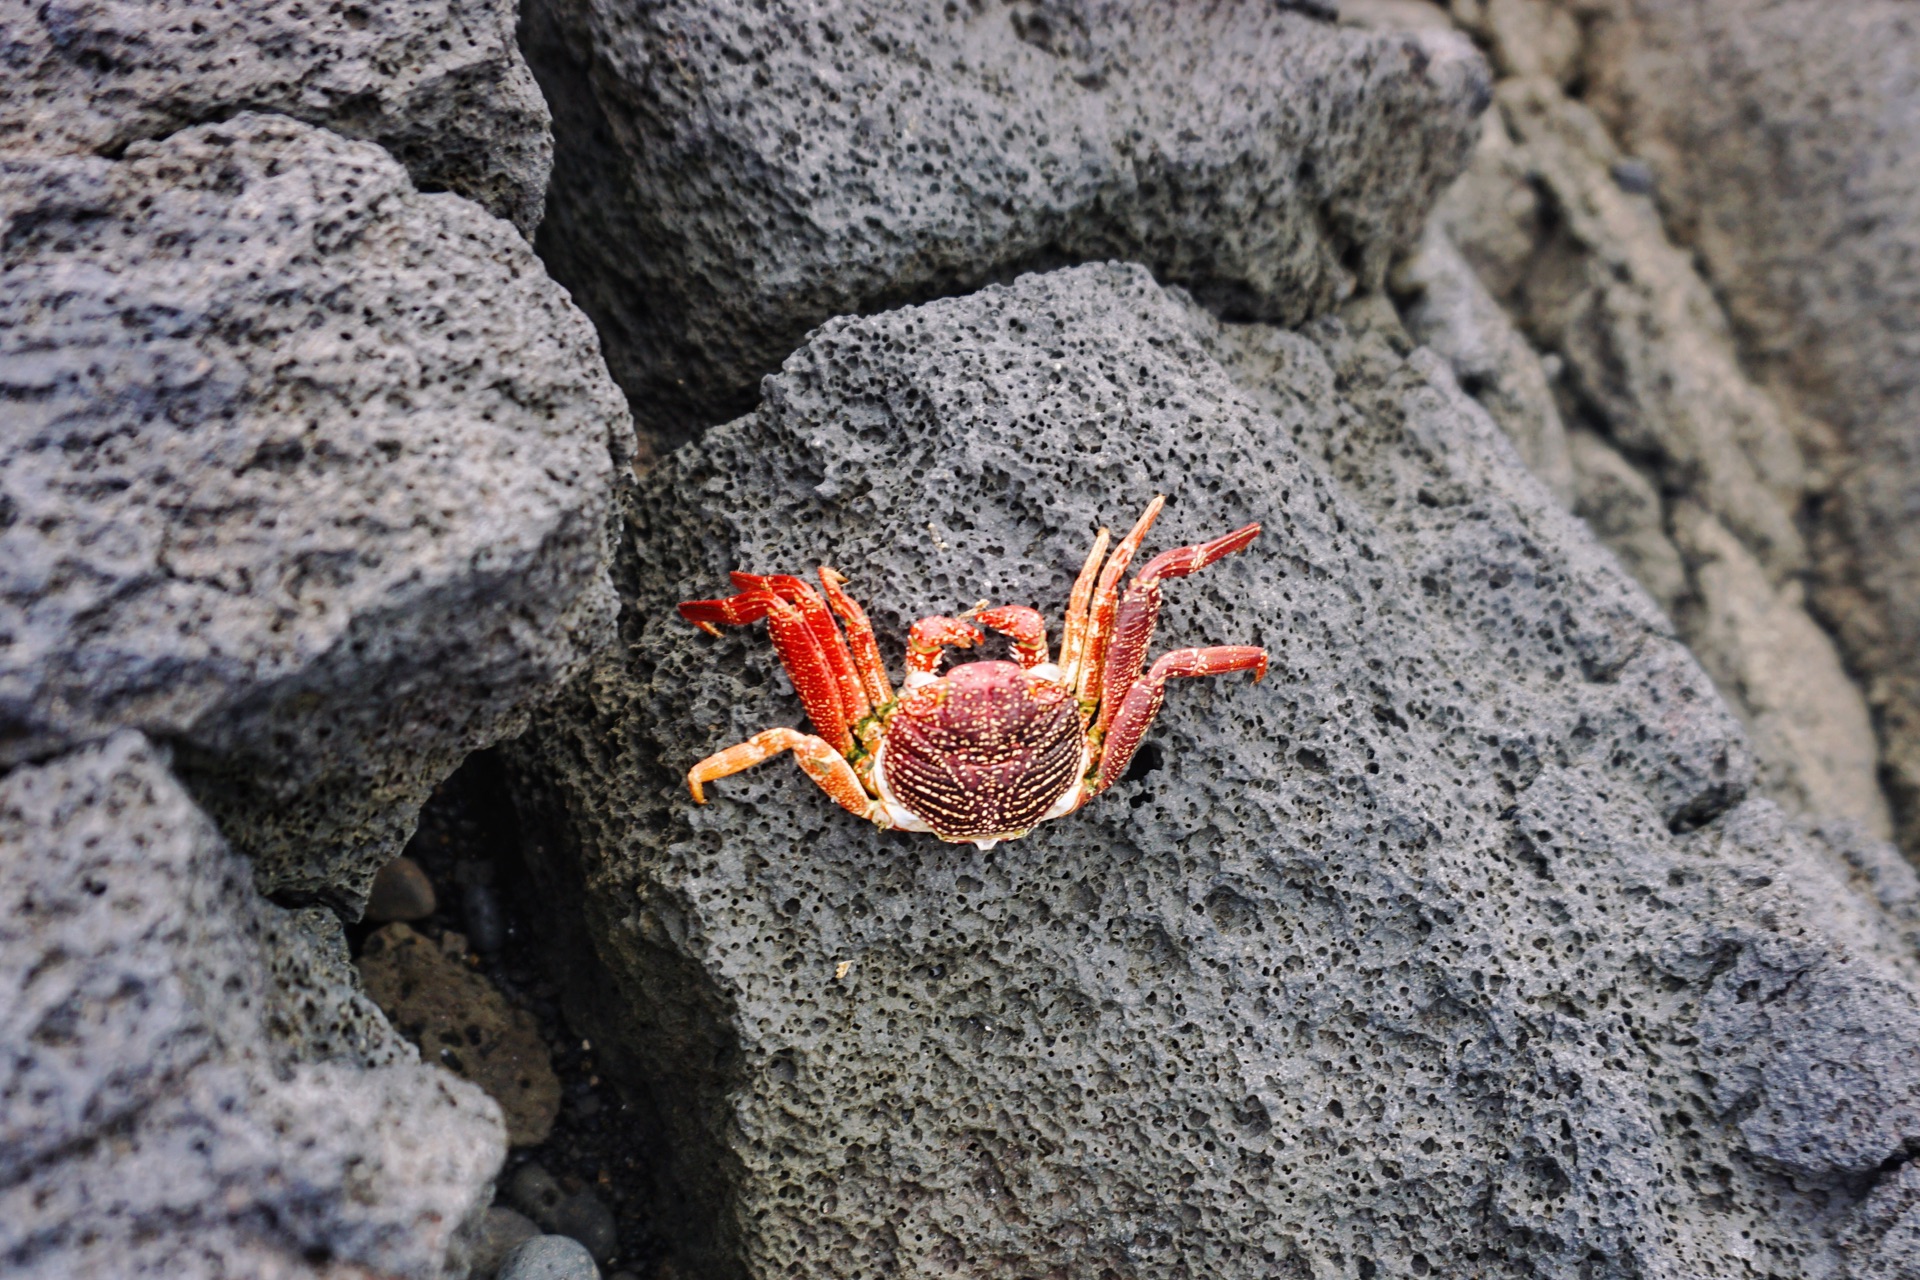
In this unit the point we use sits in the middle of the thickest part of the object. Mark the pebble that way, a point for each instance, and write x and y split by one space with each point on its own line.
500 1232
1635 177
549 1258
486 926
535 1192
401 891
586 1218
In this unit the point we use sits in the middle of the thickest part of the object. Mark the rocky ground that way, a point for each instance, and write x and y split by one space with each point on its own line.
375 378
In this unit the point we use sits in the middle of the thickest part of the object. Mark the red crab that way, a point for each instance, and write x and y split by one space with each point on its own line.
991 749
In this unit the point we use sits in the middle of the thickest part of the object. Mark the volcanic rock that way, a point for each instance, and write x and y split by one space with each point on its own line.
1453 946
306 472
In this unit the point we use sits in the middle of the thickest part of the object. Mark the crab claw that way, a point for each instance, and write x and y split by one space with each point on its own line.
928 637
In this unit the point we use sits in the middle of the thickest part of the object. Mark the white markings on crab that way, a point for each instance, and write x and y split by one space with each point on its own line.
1074 795
1049 671
915 679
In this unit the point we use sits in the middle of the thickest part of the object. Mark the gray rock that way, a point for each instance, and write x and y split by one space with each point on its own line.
1626 511
316 1009
305 471
1590 276
1809 226
152 1120
730 176
502 1231
1392 963
441 85
1444 305
400 891
549 1258
535 1192
585 1217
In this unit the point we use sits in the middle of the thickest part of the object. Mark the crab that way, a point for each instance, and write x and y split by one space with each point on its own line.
989 750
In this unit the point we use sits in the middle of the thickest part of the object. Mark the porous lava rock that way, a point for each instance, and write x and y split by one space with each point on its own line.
1786 140
175 1098
731 174
1453 947
440 84
306 472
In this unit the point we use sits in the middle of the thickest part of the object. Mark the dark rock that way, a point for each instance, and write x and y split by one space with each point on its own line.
400 891
1400 958
177 1096
440 85
461 1021
535 1192
486 923
731 175
585 1217
304 471
501 1232
549 1258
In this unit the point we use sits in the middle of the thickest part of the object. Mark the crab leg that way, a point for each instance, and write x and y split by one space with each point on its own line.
822 763
1073 633
799 649
1143 699
866 651
1100 612
1140 608
928 637
797 592
1021 625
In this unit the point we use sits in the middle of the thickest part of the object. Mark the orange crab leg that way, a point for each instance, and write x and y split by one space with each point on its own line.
928 637
799 649
1073 633
1100 612
822 763
1140 609
866 651
1143 699
1019 624
797 592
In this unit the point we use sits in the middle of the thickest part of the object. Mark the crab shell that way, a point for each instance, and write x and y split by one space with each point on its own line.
984 753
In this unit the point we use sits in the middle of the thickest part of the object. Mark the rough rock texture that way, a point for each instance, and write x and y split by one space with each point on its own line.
438 83
1450 948
1449 309
731 175
463 1022
304 471
1810 229
1562 236
157 1117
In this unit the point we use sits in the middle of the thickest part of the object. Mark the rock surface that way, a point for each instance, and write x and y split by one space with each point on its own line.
305 472
1650 383
733 175
1810 230
1439 951
440 84
461 1021
171 1104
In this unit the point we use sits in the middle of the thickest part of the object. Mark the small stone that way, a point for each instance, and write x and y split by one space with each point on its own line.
401 891
536 1193
1635 177
501 1231
486 925
462 1022
586 1218
549 1258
